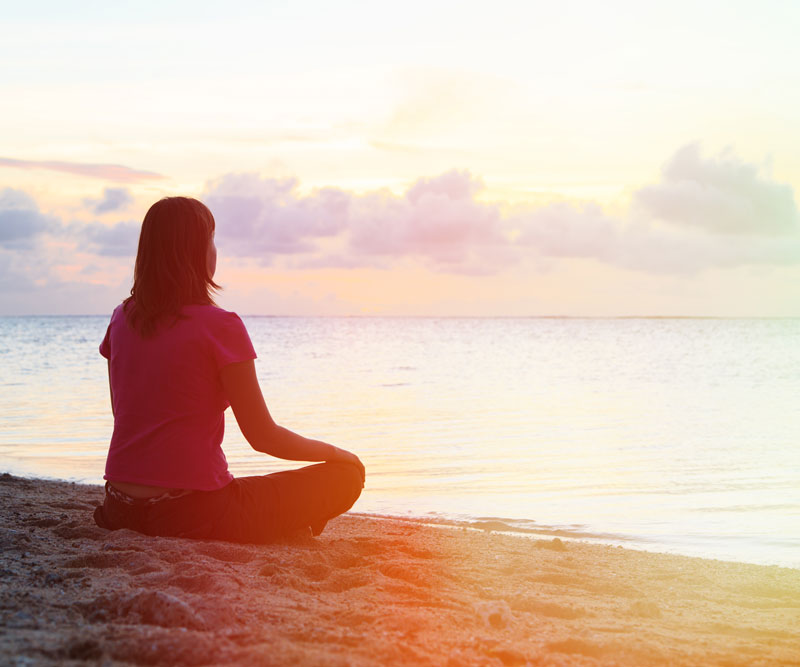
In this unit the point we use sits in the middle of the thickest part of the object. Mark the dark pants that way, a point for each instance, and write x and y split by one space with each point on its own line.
248 509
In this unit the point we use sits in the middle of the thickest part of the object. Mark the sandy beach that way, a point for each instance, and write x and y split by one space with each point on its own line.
368 591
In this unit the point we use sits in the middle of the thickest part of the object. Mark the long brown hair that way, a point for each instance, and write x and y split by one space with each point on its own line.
171 268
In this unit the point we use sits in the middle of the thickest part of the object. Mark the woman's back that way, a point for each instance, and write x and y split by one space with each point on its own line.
167 398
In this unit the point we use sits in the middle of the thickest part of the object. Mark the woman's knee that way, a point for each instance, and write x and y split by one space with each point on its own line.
348 479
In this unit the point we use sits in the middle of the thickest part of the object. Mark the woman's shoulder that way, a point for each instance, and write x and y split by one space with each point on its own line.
209 312
118 313
212 317
223 330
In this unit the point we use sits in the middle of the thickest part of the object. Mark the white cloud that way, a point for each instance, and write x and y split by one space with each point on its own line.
720 194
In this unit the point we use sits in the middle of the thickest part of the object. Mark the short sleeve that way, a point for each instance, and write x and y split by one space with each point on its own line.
230 341
105 346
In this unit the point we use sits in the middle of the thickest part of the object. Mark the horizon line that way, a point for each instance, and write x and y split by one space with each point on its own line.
463 317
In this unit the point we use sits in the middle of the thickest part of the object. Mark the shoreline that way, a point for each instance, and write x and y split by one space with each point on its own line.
503 525
500 527
369 591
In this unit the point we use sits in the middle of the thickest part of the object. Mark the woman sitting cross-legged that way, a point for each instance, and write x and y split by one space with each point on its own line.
176 361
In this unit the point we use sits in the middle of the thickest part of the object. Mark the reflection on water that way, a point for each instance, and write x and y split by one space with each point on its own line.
676 433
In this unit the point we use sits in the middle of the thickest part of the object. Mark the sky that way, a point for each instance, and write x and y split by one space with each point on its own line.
424 158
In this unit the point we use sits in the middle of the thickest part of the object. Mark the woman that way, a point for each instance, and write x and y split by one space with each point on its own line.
175 362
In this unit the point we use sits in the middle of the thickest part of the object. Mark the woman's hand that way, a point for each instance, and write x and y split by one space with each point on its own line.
343 456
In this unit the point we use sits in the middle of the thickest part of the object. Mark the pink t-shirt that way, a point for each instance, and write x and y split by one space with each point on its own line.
168 398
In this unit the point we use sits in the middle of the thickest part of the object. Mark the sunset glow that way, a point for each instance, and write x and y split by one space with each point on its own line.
572 159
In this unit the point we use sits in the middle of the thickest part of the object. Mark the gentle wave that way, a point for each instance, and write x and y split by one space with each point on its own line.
676 434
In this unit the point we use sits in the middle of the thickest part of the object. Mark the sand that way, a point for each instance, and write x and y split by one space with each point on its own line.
368 591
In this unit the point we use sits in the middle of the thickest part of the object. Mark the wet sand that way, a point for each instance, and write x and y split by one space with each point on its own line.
368 591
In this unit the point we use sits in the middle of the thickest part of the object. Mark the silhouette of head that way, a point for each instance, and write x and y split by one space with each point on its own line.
175 262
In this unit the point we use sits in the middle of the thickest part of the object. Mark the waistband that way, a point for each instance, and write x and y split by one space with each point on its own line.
124 498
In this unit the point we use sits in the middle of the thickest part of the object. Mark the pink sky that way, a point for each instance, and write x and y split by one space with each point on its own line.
683 245
537 158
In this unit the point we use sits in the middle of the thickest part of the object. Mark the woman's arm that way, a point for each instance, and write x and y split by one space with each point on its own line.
110 390
241 387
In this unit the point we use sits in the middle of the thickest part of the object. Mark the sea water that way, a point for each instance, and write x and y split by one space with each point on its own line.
675 435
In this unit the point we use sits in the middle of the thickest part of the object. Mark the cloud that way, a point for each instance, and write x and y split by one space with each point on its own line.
19 295
437 220
568 230
107 172
113 199
22 224
266 217
20 219
118 240
13 277
720 195
41 259
703 213
584 231
453 185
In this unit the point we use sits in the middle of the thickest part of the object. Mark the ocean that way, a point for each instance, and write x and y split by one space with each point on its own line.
671 435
